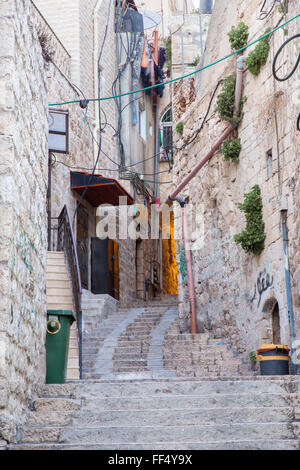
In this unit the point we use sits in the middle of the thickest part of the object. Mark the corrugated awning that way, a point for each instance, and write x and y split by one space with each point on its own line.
101 190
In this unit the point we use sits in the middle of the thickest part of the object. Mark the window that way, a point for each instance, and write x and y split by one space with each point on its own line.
58 131
166 136
143 124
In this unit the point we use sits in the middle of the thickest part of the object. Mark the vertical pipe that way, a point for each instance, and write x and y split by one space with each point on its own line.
201 30
49 202
174 195
182 53
288 286
156 149
190 278
155 100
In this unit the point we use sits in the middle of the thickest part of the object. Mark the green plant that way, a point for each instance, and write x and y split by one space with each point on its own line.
168 46
231 149
196 61
238 36
179 128
283 7
252 239
252 357
226 100
258 57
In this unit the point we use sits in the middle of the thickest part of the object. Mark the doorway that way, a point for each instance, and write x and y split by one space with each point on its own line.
276 325
105 267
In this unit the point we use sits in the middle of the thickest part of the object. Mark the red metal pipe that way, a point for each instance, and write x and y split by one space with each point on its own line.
202 162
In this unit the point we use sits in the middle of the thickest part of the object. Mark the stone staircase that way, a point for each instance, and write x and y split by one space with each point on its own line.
200 355
146 386
260 413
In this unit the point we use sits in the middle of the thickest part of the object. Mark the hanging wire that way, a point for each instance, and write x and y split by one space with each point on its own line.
187 75
289 75
100 138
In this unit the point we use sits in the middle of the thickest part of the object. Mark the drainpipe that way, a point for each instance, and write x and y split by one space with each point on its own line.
96 84
288 285
189 269
174 195
156 112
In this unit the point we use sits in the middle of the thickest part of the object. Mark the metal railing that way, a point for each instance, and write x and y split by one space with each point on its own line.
66 243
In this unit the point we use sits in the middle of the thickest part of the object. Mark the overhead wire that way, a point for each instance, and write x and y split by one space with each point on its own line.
263 13
99 110
291 73
187 75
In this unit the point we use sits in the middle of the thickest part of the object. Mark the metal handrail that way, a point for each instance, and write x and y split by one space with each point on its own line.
66 243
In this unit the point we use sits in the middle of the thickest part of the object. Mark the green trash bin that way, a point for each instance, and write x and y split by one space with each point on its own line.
57 344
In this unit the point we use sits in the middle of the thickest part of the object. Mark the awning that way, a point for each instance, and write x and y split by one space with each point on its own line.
101 190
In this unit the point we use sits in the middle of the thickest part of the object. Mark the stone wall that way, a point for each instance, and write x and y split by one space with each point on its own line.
23 185
234 289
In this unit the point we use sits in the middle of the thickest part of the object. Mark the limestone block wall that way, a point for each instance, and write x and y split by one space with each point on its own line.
23 235
233 288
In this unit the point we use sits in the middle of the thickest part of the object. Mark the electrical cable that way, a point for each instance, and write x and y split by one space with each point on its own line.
283 79
289 75
72 167
264 14
100 138
187 75
203 120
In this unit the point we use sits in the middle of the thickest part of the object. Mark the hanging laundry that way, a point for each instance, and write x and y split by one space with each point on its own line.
162 57
146 69
159 78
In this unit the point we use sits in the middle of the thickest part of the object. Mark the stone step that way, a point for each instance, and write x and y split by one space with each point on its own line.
57 269
201 361
262 444
162 434
260 385
57 284
159 417
57 276
56 404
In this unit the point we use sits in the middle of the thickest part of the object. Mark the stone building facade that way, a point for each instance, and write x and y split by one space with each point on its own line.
49 55
237 293
23 240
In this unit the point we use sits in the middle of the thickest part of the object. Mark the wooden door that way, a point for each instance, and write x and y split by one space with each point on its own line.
113 267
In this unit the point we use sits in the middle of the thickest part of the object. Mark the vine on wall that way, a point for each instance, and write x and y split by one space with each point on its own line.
252 239
259 56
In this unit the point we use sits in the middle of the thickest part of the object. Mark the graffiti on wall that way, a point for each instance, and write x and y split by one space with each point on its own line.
263 282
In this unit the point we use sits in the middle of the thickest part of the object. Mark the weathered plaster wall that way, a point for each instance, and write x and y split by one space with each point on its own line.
23 176
228 282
